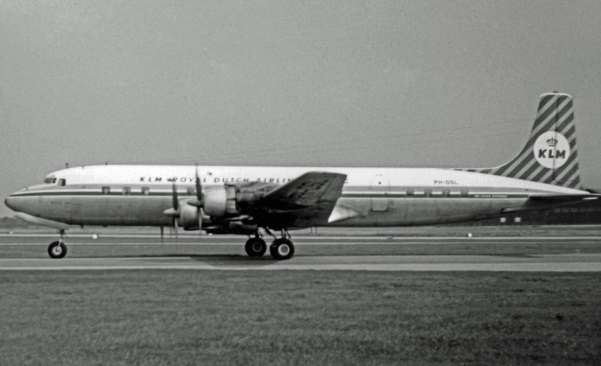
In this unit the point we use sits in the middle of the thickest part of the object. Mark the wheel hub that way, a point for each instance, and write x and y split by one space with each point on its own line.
256 246
283 249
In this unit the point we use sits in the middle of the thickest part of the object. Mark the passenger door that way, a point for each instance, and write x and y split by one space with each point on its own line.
380 186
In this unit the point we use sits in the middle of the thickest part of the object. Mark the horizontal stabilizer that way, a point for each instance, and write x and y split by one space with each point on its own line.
544 202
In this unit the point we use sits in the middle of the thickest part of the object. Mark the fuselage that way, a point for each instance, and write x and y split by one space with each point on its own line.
140 194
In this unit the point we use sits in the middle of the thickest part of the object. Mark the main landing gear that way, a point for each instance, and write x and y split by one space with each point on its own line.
255 246
281 248
57 249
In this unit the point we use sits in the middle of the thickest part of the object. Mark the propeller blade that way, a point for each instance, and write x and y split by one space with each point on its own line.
175 227
198 186
199 199
175 200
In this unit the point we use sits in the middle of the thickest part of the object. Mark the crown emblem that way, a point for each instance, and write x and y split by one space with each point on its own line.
552 142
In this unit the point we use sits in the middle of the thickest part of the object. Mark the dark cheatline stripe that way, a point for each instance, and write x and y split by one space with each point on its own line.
543 114
575 183
573 156
538 176
567 123
550 124
566 169
527 159
543 106
571 160
530 171
569 133
545 99
565 105
503 168
571 174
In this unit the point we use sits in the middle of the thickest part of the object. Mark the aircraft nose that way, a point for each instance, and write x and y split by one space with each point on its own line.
12 202
7 201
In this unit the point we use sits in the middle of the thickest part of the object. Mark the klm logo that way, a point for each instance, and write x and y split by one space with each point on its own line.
551 149
551 152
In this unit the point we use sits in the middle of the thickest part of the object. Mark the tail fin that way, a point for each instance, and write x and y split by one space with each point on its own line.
550 154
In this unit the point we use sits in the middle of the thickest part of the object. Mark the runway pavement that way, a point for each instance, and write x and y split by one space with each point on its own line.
532 254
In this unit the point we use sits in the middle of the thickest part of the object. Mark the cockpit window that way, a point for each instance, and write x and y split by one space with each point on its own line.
62 182
50 180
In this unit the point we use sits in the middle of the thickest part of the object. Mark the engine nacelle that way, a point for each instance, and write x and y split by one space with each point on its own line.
188 217
235 227
220 201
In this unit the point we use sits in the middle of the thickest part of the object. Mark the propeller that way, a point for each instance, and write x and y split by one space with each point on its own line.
175 205
173 212
199 201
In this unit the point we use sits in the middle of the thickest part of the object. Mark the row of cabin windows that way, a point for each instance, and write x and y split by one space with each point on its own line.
143 190
443 193
408 192
125 190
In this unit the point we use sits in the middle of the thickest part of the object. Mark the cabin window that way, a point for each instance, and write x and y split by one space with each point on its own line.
62 182
146 190
191 190
106 190
126 190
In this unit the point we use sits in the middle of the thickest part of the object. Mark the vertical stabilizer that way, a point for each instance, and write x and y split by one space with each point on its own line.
550 154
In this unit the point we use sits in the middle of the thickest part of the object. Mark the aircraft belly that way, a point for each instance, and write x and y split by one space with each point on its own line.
106 210
423 211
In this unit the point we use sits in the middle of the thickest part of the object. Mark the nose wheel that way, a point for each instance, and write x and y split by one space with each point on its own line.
57 249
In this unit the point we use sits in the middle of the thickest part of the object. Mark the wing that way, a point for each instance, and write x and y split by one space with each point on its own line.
305 201
309 189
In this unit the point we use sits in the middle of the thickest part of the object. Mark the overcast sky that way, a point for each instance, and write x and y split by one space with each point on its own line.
381 83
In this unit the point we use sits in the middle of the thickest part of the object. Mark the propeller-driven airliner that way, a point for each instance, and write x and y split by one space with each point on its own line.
261 201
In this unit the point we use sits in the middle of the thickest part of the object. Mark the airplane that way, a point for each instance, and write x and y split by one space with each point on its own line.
261 200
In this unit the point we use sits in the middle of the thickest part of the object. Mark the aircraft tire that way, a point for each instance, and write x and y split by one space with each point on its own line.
57 249
282 249
255 247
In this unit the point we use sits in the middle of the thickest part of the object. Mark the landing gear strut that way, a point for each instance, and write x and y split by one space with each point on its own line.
57 249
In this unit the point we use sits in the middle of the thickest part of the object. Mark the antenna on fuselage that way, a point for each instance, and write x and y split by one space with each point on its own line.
66 165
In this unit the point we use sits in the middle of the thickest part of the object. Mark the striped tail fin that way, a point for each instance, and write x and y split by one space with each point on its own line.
550 154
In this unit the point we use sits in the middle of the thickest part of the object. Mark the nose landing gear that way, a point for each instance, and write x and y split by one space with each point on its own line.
57 249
